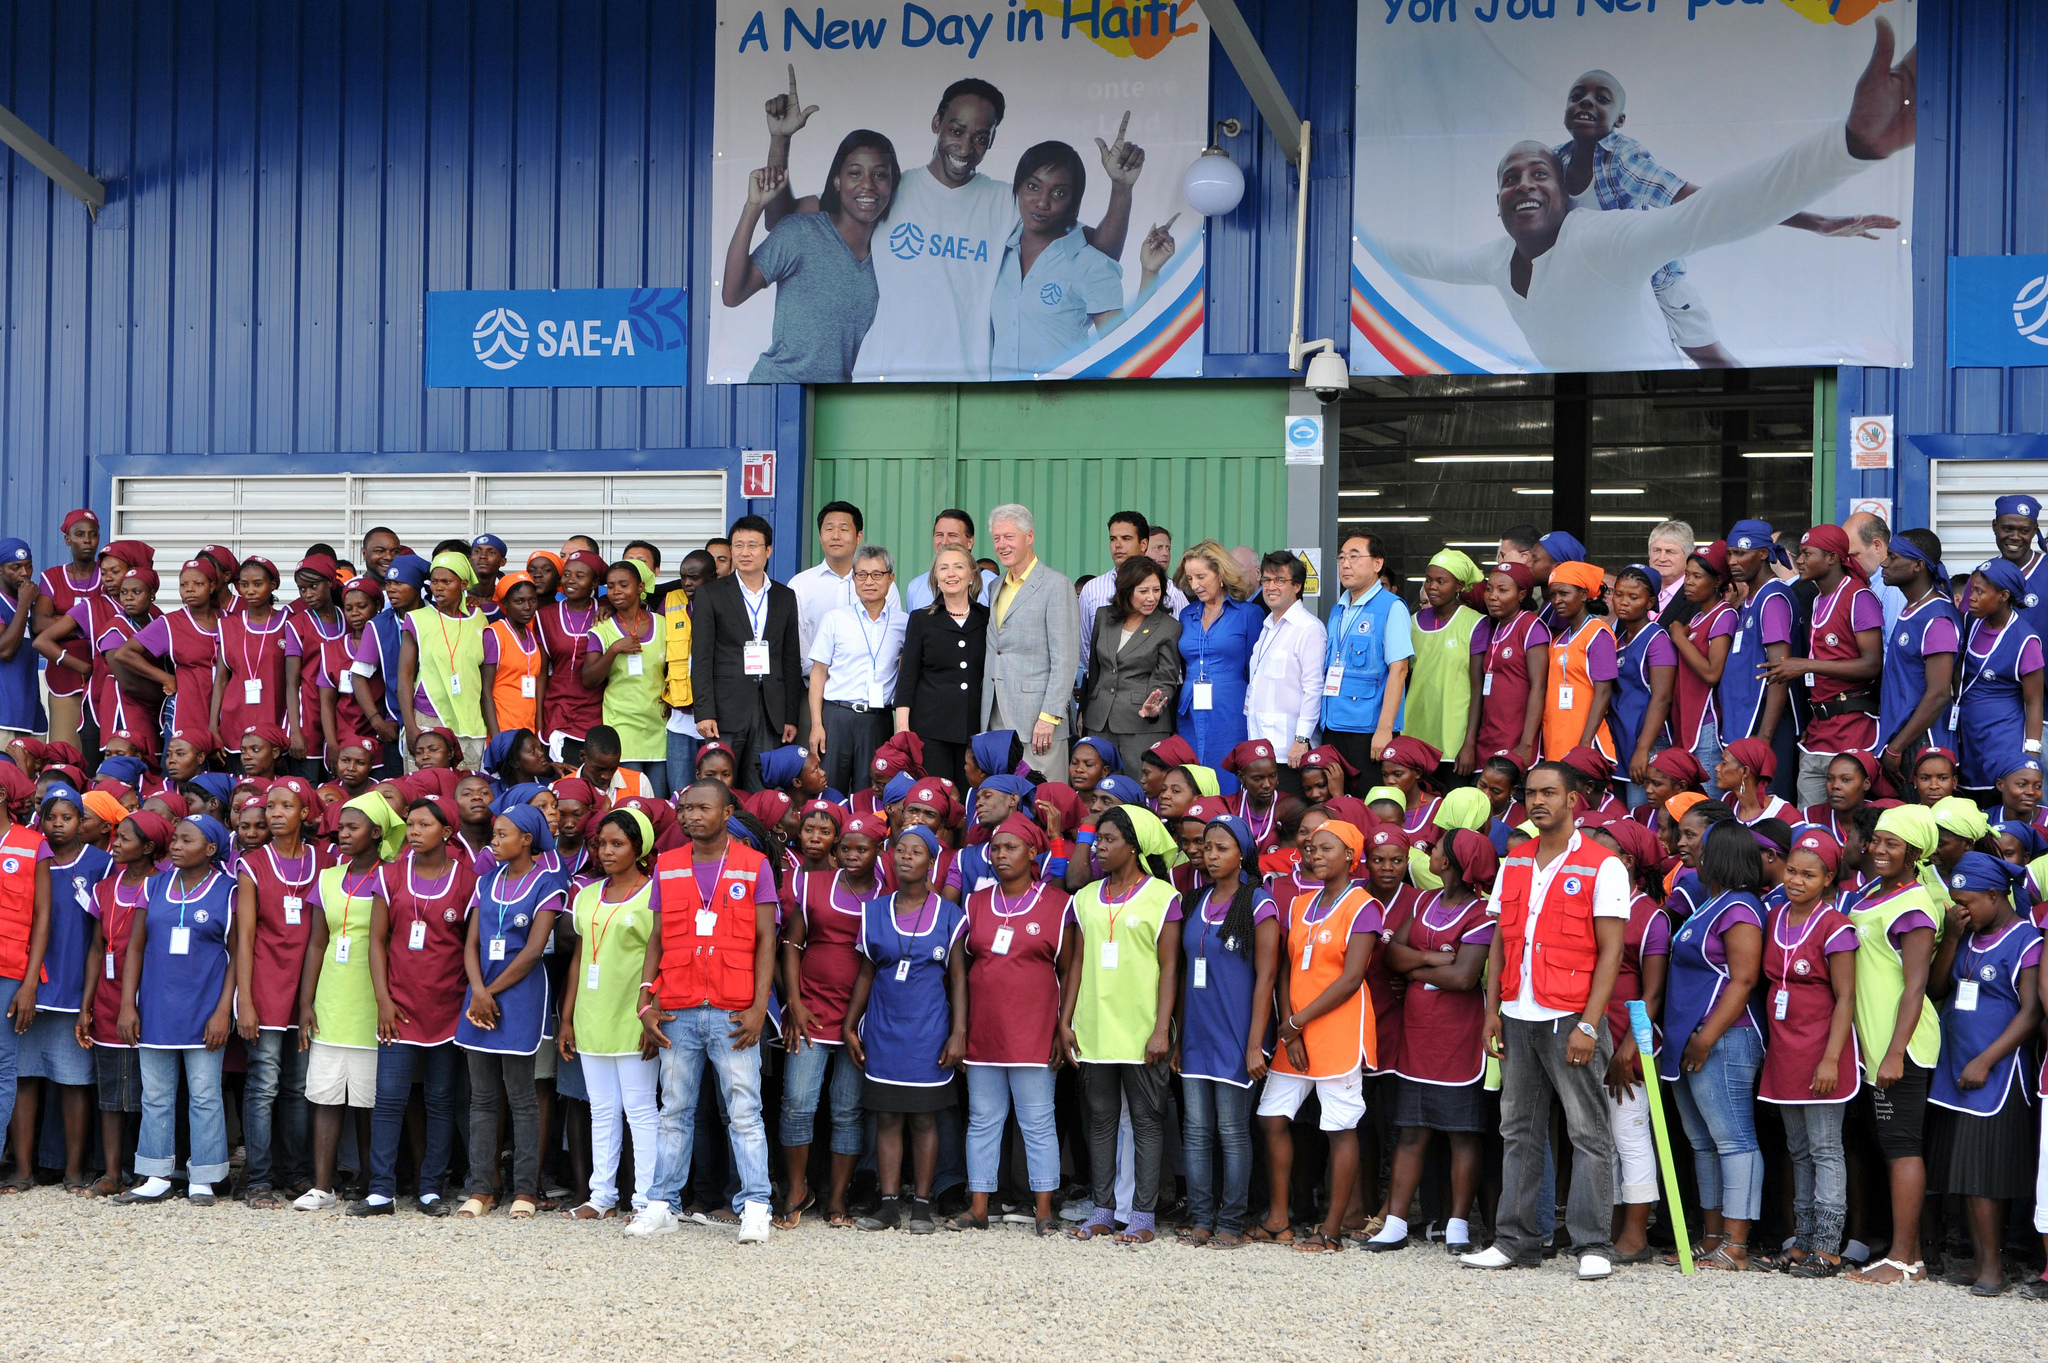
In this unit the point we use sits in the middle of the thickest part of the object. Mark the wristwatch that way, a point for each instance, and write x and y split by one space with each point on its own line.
1587 1028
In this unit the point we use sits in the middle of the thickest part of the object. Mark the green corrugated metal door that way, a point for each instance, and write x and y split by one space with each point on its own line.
1200 457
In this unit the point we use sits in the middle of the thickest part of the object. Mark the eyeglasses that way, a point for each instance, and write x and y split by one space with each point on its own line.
872 577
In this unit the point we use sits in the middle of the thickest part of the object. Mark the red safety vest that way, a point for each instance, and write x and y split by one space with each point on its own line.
19 846
1561 966
716 968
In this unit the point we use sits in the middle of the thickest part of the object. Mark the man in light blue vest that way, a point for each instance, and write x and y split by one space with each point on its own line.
1366 665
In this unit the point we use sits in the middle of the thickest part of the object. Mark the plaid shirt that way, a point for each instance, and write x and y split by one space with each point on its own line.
1626 175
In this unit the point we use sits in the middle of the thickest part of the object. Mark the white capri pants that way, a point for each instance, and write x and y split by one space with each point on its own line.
1635 1147
1343 1098
621 1085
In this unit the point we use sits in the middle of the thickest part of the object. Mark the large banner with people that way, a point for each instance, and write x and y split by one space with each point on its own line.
911 192
1574 185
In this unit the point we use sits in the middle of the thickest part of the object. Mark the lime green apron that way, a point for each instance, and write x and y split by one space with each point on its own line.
1440 683
632 704
615 936
1118 1007
452 649
1881 983
344 998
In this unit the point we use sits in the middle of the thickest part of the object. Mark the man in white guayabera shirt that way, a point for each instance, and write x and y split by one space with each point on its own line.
936 268
1578 283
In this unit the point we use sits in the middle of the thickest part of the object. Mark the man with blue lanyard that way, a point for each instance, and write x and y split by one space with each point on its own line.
2016 526
376 654
854 659
1767 624
1365 669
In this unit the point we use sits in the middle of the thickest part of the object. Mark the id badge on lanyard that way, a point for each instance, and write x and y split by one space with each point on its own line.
1201 976
416 938
1001 945
754 657
252 691
293 906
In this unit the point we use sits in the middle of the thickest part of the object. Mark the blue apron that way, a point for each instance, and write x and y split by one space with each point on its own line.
1219 1013
1903 683
71 925
180 990
1740 693
21 697
526 1010
1632 697
1990 711
1695 983
909 1015
1994 967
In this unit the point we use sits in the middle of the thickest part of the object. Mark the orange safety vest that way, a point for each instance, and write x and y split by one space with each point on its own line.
1561 963
514 703
1342 1039
714 968
19 846
1564 726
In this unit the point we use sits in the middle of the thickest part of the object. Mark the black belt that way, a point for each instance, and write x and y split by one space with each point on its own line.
859 707
1862 701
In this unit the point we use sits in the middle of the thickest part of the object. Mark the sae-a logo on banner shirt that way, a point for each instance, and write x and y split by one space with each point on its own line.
558 338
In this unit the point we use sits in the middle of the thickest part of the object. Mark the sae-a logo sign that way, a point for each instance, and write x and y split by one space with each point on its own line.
1998 312
558 338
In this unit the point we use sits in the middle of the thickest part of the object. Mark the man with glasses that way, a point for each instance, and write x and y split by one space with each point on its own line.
1285 699
1365 666
853 672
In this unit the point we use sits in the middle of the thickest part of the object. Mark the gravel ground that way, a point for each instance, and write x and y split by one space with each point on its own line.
85 1280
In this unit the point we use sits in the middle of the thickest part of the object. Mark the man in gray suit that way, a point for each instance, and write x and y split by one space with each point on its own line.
1034 645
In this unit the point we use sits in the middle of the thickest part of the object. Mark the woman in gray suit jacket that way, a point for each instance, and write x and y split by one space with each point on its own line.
1134 669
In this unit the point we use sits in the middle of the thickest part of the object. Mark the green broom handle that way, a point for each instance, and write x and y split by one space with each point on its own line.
1639 1024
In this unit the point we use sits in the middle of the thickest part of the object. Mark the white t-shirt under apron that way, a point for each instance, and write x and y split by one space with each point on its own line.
936 258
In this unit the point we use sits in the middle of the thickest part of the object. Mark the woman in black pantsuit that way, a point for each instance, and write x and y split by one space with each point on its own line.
938 683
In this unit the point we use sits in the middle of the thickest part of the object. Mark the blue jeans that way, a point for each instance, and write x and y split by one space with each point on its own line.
1718 1106
396 1066
156 1152
803 1080
682 759
274 1109
10 1055
696 1035
1219 1120
1707 748
1820 1174
992 1090
656 774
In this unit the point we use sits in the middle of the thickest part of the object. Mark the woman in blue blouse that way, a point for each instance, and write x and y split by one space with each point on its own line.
1218 628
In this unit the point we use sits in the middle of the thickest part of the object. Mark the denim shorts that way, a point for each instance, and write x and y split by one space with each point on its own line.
119 1072
50 1050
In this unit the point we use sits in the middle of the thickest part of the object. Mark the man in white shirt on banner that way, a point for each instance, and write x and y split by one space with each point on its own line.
1129 534
1285 699
853 672
936 271
951 529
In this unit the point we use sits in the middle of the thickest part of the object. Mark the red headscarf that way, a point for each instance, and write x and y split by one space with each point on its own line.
1754 754
902 753
1517 573
1832 539
828 809
1244 754
154 827
1016 825
1412 753
17 790
768 806
1327 756
1477 862
1064 798
1589 762
272 734
1352 810
1173 751
1681 766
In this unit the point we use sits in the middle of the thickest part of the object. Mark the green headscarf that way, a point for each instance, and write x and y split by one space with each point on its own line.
1389 793
646 573
1915 825
644 824
1465 807
1458 564
1958 816
1153 839
1205 780
390 827
457 564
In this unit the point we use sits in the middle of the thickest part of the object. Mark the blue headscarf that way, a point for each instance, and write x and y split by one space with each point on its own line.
2032 844
210 828
899 788
219 785
2006 576
123 768
781 766
992 751
1563 546
1124 788
734 828
14 551
1982 871
1751 534
488 542
2030 507
1903 547
1104 749
498 751
1241 831
512 797
410 569
922 834
1007 785
59 791
530 821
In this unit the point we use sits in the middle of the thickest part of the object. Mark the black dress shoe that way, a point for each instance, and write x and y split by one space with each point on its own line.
1386 1246
135 1199
372 1209
436 1207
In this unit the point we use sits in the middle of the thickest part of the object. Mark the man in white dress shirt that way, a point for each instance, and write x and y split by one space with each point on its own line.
951 529
1285 698
1577 283
853 672
1129 533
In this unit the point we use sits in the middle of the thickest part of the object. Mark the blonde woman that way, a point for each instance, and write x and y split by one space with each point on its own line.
938 678
1218 629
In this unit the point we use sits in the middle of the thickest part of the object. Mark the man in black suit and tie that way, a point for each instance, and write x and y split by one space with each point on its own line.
745 666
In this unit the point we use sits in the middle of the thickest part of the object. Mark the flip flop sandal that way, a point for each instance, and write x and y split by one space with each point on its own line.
1723 1261
1315 1242
263 1199
1906 1272
965 1222
1044 1226
77 1187
473 1207
1260 1234
841 1221
106 1185
17 1184
523 1209
1136 1237
591 1212
1699 1252
1225 1239
1093 1230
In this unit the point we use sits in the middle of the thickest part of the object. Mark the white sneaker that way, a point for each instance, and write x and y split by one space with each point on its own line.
1490 1257
754 1224
316 1200
653 1219
1594 1266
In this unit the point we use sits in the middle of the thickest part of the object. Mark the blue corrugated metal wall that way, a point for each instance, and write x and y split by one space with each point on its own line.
286 179
1981 188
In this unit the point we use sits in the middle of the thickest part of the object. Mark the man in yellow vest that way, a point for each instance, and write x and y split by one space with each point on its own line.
673 600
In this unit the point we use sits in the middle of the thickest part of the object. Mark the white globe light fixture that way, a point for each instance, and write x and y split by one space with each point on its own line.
1213 184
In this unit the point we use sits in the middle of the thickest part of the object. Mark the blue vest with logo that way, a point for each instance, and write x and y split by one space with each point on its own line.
1741 691
1358 640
